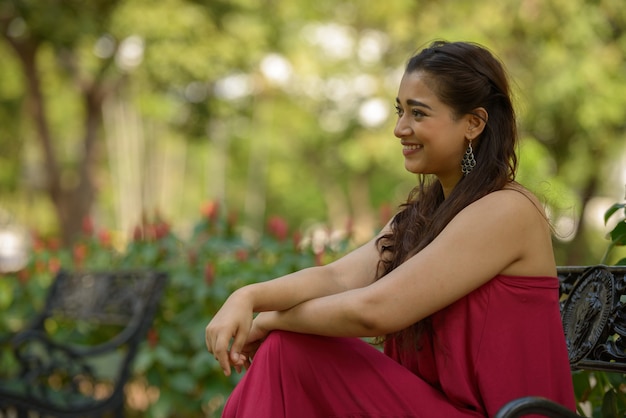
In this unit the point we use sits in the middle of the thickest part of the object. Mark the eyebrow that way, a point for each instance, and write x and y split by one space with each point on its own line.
413 102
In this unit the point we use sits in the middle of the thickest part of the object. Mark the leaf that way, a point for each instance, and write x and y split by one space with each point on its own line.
143 361
182 382
610 211
618 234
609 406
162 407
621 262
164 356
6 293
582 386
201 364
615 379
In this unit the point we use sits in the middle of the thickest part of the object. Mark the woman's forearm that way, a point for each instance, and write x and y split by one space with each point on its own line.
290 290
354 270
337 315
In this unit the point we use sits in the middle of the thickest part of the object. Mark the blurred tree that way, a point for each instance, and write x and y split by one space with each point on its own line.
570 57
53 32
284 107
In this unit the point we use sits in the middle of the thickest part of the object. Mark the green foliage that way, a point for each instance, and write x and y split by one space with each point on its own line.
203 270
617 236
602 392
199 78
605 393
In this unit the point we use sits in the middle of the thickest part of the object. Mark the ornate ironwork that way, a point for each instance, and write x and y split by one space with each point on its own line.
75 357
593 307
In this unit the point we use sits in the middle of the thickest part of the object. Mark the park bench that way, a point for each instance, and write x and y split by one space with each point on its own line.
593 311
75 358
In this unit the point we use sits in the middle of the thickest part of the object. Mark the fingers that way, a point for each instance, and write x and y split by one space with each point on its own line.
217 340
250 349
207 339
236 348
221 353
231 323
217 343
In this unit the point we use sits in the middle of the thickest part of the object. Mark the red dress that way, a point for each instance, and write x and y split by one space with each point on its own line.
500 342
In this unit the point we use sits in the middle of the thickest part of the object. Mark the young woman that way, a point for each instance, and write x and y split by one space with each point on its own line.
461 283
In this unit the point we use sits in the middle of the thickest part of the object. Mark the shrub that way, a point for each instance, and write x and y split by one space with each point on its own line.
173 374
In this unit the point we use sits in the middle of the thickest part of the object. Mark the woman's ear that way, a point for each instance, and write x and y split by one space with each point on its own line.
477 121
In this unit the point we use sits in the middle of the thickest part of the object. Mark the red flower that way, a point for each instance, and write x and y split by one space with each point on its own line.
149 231
161 229
297 238
87 226
210 210
153 337
54 244
241 255
278 228
79 252
138 233
104 237
38 243
23 276
209 273
54 265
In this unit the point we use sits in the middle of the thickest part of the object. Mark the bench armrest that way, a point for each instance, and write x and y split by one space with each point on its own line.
534 405
38 356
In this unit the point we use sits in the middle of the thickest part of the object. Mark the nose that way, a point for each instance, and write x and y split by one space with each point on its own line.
402 129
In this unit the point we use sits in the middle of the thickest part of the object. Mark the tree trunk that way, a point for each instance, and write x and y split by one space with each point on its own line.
577 253
72 202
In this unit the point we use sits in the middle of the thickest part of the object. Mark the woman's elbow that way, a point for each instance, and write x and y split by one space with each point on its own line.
370 319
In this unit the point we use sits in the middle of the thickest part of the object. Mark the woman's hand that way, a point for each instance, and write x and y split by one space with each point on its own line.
232 322
261 326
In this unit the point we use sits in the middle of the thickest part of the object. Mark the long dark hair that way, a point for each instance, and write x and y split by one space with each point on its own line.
464 76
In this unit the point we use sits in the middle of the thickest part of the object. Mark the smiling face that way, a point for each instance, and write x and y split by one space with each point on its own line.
432 137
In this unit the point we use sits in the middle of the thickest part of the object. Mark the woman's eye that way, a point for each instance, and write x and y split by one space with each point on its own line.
417 113
398 110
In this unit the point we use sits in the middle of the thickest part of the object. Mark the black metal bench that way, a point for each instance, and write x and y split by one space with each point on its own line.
593 310
76 356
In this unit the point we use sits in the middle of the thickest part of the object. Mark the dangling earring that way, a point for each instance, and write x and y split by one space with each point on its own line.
468 162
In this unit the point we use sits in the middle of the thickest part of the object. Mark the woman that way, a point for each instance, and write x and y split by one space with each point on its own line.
461 282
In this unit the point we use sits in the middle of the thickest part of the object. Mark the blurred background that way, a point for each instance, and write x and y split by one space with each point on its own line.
114 110
179 133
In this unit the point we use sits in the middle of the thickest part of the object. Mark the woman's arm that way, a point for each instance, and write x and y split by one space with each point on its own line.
502 233
234 319
354 270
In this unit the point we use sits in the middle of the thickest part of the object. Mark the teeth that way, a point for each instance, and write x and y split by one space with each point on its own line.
412 147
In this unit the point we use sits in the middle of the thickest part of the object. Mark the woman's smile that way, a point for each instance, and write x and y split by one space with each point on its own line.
408 149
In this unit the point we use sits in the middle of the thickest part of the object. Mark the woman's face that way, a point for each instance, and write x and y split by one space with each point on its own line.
433 141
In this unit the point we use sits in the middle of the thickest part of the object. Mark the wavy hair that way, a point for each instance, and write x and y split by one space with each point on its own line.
464 76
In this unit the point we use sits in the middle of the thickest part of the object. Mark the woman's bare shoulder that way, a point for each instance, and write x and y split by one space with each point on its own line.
533 229
518 197
516 187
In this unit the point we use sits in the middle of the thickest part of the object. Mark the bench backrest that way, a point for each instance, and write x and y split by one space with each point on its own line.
77 354
593 310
